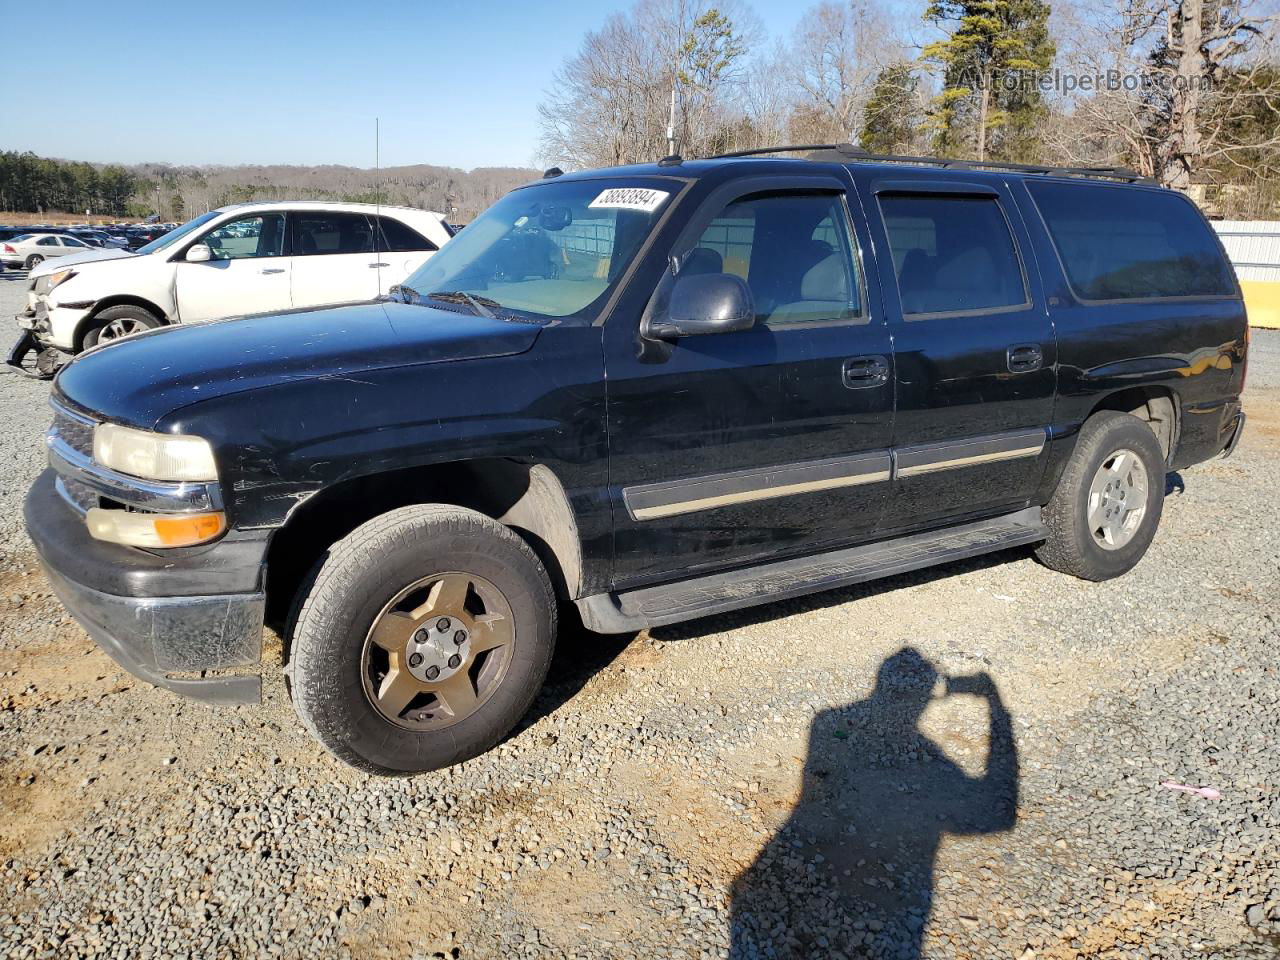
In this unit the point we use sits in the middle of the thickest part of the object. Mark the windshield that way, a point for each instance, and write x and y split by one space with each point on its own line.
553 250
159 243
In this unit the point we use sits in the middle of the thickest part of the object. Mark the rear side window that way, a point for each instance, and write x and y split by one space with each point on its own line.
398 238
952 254
317 234
1118 243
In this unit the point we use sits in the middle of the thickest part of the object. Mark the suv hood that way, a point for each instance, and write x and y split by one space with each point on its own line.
142 379
54 264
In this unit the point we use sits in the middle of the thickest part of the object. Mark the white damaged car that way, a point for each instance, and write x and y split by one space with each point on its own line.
241 259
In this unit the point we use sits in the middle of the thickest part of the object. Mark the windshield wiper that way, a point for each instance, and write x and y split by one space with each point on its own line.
480 305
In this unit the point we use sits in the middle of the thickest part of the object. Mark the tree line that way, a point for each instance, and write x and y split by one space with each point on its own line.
1184 91
36 184
39 184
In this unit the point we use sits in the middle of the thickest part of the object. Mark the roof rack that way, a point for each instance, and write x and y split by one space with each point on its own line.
847 153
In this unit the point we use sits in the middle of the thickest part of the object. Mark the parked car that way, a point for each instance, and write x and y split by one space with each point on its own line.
28 250
711 384
99 238
247 258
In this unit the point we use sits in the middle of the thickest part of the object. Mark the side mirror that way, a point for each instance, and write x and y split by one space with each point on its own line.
705 303
199 253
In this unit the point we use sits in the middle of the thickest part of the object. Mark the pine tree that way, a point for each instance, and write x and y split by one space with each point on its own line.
989 64
892 118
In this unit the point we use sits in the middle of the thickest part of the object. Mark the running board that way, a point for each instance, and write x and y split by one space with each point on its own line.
721 592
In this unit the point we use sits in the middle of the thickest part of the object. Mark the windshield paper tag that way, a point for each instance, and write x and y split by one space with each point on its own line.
630 198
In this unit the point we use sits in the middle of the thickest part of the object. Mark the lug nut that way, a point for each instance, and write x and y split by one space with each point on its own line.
432 672
415 659
460 637
420 636
454 661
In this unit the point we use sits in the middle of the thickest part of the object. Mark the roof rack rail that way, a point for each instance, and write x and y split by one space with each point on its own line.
848 152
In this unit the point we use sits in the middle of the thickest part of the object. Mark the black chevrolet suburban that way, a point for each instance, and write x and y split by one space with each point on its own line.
647 394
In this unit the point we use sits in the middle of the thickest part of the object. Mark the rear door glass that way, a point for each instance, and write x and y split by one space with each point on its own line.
1121 243
952 254
331 233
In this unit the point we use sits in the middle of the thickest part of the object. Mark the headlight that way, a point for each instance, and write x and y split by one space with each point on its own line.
153 456
62 276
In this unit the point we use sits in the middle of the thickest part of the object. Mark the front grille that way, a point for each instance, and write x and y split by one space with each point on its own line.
75 430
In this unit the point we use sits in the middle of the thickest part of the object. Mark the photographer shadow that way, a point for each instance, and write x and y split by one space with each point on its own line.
851 872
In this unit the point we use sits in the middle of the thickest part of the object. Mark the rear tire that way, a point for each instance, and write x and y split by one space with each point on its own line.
1106 508
34 261
116 323
388 611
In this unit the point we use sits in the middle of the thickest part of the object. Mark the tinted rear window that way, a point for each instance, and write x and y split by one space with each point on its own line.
398 237
1117 243
952 254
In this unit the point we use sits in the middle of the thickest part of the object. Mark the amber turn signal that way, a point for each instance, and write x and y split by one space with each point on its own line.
154 529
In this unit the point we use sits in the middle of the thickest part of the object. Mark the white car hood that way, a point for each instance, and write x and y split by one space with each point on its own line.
54 264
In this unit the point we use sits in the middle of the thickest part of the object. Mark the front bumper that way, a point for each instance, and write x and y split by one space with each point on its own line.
53 325
167 620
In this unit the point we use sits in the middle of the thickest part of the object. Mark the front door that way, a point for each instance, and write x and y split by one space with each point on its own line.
247 272
333 258
974 347
732 447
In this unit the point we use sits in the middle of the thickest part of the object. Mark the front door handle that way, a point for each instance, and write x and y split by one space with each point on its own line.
1024 357
273 270
858 373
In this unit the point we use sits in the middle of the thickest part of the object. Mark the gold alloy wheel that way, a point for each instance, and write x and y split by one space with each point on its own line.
438 651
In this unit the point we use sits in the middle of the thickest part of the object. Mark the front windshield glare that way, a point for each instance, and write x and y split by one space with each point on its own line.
553 250
176 234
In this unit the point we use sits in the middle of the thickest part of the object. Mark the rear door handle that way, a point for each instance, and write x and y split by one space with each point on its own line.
273 269
1024 357
858 373
375 265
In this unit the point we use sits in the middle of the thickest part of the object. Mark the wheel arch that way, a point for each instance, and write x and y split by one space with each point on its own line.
525 496
1157 405
116 300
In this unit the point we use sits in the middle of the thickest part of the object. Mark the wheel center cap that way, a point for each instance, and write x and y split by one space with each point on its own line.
438 649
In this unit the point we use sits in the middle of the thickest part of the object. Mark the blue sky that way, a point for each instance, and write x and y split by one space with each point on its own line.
454 83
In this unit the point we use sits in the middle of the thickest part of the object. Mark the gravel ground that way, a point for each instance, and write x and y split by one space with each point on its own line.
793 781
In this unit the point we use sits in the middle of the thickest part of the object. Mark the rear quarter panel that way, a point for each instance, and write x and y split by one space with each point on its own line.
1194 348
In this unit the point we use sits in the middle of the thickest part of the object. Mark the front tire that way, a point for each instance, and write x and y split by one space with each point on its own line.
116 323
1106 508
422 639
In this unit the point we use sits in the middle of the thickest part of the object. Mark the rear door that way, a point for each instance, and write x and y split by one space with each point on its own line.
974 348
333 258
767 442
248 270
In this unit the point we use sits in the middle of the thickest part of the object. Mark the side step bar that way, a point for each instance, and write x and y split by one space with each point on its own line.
721 592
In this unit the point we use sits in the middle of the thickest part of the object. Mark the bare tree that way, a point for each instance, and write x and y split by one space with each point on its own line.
1173 86
837 52
611 102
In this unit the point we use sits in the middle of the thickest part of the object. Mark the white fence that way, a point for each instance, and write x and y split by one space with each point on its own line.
1253 247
